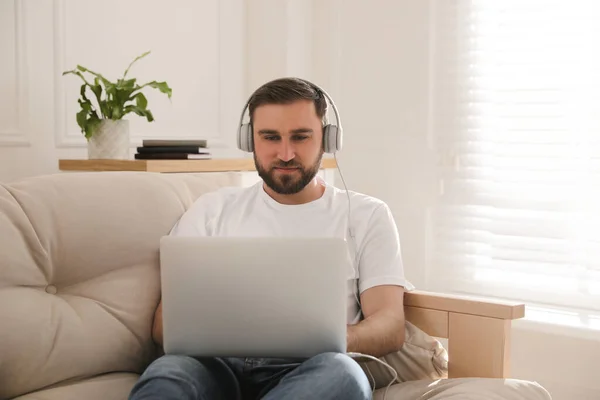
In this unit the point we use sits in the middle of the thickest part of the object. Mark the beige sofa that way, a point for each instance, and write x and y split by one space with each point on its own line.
79 283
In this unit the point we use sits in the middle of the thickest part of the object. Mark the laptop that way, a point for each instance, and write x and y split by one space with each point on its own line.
269 297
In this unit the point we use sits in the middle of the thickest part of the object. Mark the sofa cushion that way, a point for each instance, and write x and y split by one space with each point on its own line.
421 357
465 389
114 386
79 276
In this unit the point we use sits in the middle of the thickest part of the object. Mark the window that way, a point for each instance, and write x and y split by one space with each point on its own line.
516 122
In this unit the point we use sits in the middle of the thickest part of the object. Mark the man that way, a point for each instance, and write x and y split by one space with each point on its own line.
287 118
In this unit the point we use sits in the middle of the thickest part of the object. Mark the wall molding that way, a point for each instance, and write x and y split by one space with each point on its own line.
19 137
232 69
230 75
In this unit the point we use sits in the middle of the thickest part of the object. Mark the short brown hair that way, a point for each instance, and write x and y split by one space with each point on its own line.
285 91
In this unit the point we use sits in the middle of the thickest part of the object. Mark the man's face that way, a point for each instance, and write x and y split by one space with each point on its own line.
287 145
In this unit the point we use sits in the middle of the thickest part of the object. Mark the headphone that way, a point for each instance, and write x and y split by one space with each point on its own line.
332 133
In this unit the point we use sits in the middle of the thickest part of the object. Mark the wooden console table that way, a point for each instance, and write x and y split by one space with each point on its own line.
214 165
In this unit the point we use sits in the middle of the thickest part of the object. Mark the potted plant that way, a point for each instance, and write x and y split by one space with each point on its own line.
102 122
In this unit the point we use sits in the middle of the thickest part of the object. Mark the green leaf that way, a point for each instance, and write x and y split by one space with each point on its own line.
123 92
139 111
111 100
75 72
85 105
82 119
141 101
82 92
126 84
97 75
84 102
133 62
96 88
91 126
88 121
111 90
162 86
149 116
116 112
87 109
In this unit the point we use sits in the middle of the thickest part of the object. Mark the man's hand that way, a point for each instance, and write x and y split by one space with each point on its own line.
382 330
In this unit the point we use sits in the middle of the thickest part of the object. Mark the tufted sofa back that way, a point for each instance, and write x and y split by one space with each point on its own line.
79 274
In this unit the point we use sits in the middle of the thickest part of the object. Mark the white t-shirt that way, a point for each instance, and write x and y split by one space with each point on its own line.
374 256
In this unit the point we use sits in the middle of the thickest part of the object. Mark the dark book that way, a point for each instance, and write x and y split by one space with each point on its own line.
172 156
174 142
172 149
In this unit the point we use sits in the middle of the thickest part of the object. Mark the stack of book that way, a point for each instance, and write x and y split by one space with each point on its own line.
173 149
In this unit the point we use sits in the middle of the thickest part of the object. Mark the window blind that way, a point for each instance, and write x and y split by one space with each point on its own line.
516 122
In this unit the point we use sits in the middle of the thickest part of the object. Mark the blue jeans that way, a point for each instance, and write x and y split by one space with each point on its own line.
325 376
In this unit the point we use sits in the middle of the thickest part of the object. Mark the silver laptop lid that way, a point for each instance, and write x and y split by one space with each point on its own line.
253 297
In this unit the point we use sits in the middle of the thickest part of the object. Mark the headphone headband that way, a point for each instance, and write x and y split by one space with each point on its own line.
332 133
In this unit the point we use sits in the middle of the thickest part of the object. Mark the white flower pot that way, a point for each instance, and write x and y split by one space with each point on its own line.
110 140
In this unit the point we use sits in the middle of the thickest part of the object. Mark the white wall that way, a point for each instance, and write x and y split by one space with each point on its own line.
380 84
373 57
197 47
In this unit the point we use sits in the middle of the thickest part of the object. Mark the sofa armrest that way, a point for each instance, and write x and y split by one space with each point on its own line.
477 329
465 304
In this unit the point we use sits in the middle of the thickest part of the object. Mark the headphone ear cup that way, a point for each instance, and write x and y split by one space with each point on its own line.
338 138
245 142
332 140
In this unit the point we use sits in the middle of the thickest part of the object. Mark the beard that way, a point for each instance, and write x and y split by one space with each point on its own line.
291 183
